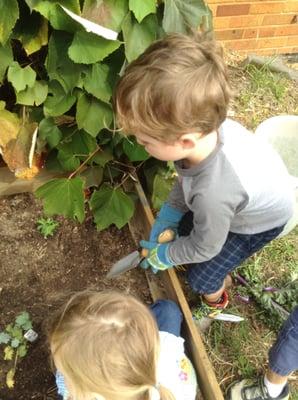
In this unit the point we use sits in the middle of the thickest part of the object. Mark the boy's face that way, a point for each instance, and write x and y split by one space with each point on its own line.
161 150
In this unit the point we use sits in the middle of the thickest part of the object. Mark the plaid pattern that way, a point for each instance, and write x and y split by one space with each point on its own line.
207 277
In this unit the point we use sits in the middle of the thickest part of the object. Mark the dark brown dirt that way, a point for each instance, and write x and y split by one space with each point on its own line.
34 271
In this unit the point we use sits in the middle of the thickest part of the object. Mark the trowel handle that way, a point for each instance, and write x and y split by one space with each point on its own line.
164 237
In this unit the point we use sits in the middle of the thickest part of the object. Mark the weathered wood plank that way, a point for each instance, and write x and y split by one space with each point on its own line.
141 223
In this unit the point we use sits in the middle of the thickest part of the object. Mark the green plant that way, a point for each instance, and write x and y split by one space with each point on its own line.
47 226
59 77
16 346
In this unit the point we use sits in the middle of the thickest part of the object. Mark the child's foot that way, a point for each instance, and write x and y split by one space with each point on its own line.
208 309
254 390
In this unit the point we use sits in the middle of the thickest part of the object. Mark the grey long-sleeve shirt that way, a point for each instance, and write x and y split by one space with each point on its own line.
242 186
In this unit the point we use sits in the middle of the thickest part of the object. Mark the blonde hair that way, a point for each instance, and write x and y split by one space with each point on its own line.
106 343
178 85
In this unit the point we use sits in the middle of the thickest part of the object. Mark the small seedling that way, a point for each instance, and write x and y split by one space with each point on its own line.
47 226
13 337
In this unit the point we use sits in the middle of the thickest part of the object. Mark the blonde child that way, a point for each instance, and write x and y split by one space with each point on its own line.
108 345
233 194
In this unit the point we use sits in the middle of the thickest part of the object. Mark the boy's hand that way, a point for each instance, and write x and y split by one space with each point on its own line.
157 258
168 217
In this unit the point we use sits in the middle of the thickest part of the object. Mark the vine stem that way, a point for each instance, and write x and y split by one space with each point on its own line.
84 163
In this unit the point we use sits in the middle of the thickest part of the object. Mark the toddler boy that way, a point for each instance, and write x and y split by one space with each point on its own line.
233 194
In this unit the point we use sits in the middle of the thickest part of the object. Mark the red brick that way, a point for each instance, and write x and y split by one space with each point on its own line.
250 33
279 19
241 44
287 30
292 41
267 8
245 21
271 42
229 34
232 9
221 23
265 32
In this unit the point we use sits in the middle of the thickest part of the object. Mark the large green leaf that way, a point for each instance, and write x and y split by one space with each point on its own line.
6 58
96 82
63 196
88 48
53 12
49 132
162 186
142 8
34 95
20 77
108 13
31 29
67 160
58 63
80 144
9 13
92 114
111 206
182 15
92 176
134 151
58 102
138 36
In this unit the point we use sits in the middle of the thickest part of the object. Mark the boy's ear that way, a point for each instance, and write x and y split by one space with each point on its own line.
189 140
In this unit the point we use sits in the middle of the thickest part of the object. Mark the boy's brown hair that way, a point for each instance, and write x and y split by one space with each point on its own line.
178 85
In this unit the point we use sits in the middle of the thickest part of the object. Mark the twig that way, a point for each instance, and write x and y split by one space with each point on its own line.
126 176
84 163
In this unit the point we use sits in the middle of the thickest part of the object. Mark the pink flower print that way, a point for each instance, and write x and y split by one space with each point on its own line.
183 376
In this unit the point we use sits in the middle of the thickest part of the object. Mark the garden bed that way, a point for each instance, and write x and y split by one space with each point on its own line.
35 271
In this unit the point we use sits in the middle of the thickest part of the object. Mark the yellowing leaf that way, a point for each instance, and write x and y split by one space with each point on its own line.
9 127
10 378
8 353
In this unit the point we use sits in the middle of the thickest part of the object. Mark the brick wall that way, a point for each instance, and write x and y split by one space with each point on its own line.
256 26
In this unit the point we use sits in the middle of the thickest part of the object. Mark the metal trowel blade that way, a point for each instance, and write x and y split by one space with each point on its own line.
125 264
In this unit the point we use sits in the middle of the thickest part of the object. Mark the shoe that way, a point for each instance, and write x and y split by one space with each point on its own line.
254 390
208 309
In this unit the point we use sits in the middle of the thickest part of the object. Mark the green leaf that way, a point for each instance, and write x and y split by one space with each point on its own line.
23 318
96 82
17 332
34 95
92 176
4 337
49 132
8 353
88 48
15 343
142 8
9 13
20 77
108 13
58 63
161 189
63 196
111 206
93 115
31 29
58 102
6 58
182 15
53 12
134 151
22 350
2 105
102 158
138 36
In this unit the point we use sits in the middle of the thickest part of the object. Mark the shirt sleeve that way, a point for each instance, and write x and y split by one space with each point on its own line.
211 224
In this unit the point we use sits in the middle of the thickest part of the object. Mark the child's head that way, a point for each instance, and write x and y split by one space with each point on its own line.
179 85
106 344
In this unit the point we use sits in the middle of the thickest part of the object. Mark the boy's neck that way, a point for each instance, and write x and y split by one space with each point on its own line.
203 149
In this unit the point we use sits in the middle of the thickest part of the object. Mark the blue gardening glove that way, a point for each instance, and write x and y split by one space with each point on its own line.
168 217
157 258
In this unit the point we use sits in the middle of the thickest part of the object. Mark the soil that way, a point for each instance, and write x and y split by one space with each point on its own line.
34 271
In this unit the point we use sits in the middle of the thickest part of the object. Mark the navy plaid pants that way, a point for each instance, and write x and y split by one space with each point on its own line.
207 277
